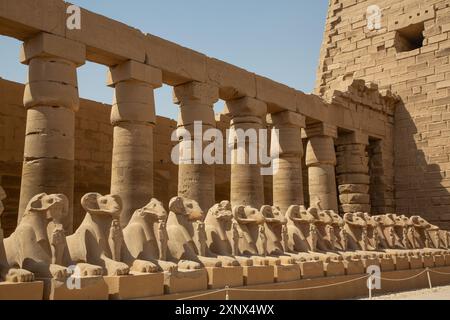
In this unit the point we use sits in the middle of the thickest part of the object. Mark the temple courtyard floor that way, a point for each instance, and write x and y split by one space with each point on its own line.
439 293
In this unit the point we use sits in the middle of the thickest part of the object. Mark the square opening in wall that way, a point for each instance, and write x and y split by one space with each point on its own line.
410 37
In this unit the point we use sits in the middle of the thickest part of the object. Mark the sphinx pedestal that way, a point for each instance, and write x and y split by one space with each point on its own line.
135 285
312 269
401 262
285 273
258 275
415 262
219 278
354 267
185 281
22 291
86 288
439 260
428 261
334 268
387 264
447 259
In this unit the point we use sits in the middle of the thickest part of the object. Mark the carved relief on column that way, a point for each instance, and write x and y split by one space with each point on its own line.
321 162
133 117
51 99
288 179
196 179
247 186
353 172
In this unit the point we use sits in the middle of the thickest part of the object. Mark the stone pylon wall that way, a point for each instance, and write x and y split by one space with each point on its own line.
418 70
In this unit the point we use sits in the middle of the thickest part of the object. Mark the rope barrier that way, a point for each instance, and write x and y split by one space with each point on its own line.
370 278
439 272
202 295
403 279
298 289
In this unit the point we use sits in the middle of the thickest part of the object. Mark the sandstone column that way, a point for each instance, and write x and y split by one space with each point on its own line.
133 118
353 172
196 179
321 161
51 99
288 179
247 185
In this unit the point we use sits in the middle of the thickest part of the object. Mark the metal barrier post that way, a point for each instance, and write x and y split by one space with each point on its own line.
227 296
429 278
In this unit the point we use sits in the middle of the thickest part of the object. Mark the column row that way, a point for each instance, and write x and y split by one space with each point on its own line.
51 99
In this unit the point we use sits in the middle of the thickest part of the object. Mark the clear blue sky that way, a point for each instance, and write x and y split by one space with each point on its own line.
277 39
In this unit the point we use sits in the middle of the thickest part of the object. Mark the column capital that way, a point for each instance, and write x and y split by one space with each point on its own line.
48 45
321 129
286 119
134 71
356 137
246 107
197 92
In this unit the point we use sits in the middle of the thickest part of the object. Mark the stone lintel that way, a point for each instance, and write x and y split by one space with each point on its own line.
134 71
321 129
246 107
49 45
195 92
286 119
356 137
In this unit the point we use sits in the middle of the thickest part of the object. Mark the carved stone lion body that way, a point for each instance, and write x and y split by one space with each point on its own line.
187 236
145 237
99 238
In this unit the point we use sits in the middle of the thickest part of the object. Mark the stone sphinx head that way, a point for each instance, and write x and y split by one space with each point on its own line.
419 222
355 220
102 206
386 226
273 215
322 217
186 208
222 212
52 206
299 214
336 219
248 216
153 212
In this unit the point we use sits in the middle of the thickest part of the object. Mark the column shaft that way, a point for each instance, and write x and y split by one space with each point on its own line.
247 184
196 179
51 99
321 161
133 117
353 173
288 178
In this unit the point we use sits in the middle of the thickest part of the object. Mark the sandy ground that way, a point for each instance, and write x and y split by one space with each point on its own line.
440 293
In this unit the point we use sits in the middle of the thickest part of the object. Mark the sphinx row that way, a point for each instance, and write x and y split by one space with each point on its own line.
318 242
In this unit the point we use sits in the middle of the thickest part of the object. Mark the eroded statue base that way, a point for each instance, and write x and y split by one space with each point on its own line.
22 291
258 275
185 281
86 288
219 278
285 273
312 269
401 262
135 285
334 268
354 267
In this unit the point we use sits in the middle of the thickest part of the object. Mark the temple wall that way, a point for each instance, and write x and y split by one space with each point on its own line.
396 58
